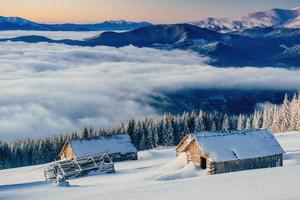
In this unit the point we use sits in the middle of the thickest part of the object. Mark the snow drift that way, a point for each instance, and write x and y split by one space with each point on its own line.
178 169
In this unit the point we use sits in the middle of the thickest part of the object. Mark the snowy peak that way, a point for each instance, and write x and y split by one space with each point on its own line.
16 20
17 23
296 8
118 22
276 18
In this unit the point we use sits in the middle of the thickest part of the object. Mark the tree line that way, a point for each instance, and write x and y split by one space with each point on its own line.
149 133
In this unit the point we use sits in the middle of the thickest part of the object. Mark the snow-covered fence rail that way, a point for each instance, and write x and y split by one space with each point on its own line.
79 167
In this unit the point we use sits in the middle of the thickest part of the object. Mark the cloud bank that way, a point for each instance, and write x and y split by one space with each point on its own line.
56 35
52 88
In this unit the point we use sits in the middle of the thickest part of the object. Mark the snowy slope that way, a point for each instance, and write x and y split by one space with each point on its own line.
269 18
158 175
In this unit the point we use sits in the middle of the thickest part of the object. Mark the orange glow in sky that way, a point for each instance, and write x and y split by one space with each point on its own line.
134 10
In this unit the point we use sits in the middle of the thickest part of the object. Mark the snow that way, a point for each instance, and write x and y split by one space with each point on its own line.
284 46
295 23
159 175
235 145
108 144
16 20
177 164
268 18
291 144
178 169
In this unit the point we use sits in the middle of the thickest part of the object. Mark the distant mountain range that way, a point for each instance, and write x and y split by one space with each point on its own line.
16 23
258 47
275 18
261 39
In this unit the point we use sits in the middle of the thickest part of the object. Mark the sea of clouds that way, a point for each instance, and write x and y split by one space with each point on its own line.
53 88
56 35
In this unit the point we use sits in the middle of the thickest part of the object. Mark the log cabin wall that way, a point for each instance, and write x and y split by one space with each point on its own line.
247 164
67 153
183 144
194 153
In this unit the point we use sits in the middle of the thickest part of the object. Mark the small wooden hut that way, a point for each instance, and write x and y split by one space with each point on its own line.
221 152
117 147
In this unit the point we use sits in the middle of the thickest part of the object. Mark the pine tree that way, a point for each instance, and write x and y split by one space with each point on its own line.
225 125
285 114
294 109
143 140
267 118
160 125
181 129
130 130
167 132
213 126
276 120
148 134
191 121
155 139
84 133
298 113
200 122
241 122
248 123
137 133
257 120
5 155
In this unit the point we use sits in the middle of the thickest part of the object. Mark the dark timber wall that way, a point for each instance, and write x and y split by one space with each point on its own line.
117 157
239 165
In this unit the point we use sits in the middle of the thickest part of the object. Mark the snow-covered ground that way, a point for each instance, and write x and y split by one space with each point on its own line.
159 175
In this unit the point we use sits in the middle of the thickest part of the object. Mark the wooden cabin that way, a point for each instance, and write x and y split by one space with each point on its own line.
117 147
221 152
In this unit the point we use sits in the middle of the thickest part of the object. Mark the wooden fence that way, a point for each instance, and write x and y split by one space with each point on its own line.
79 167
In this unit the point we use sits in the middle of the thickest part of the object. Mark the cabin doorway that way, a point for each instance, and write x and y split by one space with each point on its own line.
203 162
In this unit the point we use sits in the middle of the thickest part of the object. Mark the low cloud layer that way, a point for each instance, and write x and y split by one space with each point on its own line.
51 88
76 35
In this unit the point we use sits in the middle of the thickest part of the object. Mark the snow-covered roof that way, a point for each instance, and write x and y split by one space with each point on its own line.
236 145
105 144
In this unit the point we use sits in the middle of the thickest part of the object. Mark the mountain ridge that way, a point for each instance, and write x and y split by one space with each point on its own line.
257 47
276 18
18 23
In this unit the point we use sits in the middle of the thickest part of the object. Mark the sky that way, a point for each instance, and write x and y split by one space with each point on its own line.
155 11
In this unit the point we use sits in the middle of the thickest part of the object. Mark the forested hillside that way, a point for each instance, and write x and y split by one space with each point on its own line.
150 133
